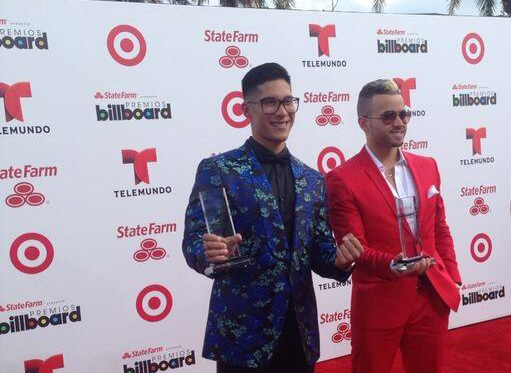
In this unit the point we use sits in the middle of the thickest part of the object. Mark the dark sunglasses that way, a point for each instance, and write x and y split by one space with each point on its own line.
388 117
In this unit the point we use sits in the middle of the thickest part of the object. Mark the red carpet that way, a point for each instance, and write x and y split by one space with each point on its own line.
483 347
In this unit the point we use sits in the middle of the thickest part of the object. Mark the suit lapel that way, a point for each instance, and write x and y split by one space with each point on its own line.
419 185
268 206
303 209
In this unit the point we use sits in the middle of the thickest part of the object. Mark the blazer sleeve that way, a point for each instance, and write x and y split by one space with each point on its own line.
345 218
324 250
195 226
444 243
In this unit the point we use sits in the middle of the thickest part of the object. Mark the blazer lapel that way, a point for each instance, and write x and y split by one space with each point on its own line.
420 186
303 209
269 208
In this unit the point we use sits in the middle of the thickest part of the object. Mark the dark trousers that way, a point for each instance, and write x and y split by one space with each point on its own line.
288 357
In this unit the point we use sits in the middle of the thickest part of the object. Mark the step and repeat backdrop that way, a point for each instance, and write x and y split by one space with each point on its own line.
108 109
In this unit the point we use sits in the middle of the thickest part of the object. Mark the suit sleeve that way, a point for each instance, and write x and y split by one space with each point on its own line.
346 218
324 250
443 240
195 226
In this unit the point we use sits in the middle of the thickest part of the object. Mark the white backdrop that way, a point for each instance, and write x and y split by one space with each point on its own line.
68 253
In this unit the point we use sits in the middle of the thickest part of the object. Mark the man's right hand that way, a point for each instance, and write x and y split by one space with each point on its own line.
218 249
413 269
349 251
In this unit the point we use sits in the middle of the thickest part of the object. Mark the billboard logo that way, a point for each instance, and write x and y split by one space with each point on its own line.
153 365
154 303
31 253
328 116
476 135
139 161
481 247
233 57
12 95
44 366
329 158
343 333
479 207
149 249
472 48
322 33
232 111
24 194
126 45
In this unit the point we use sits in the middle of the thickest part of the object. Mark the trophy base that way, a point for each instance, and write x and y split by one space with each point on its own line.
234 264
403 264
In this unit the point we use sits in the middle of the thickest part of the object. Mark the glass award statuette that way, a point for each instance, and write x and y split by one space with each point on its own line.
218 218
406 209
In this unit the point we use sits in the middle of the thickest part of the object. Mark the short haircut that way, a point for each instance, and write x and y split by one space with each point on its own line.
261 74
371 89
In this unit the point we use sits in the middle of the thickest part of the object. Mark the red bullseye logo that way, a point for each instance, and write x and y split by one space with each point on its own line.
24 194
343 333
149 249
232 111
479 207
154 303
472 48
329 158
31 253
126 45
328 116
481 247
232 58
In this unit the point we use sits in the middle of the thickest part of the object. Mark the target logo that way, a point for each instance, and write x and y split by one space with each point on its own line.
232 58
31 253
154 303
328 116
12 95
329 158
44 366
24 194
149 249
479 207
232 111
472 48
322 33
126 45
343 333
481 247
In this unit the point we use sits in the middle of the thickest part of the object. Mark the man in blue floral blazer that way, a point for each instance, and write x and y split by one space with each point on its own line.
263 318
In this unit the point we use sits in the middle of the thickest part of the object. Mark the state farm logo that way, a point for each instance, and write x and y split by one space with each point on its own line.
22 38
24 194
473 95
12 95
472 48
154 303
343 333
149 249
126 45
329 158
125 108
478 190
232 58
125 231
328 116
31 253
140 160
415 144
28 171
322 34
44 366
20 306
481 247
476 136
401 42
406 86
479 207
232 111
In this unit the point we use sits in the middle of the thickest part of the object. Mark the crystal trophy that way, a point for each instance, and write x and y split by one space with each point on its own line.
218 219
411 248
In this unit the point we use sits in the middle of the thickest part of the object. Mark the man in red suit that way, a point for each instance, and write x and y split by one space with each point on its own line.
394 305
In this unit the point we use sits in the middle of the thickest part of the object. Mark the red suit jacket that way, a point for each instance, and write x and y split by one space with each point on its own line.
362 203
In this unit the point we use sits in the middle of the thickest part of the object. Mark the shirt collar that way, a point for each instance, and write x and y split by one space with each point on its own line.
381 167
265 155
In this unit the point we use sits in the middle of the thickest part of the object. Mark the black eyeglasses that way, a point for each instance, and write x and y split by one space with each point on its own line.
388 117
270 105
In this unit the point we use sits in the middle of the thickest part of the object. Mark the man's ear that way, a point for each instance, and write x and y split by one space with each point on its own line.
246 110
363 123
